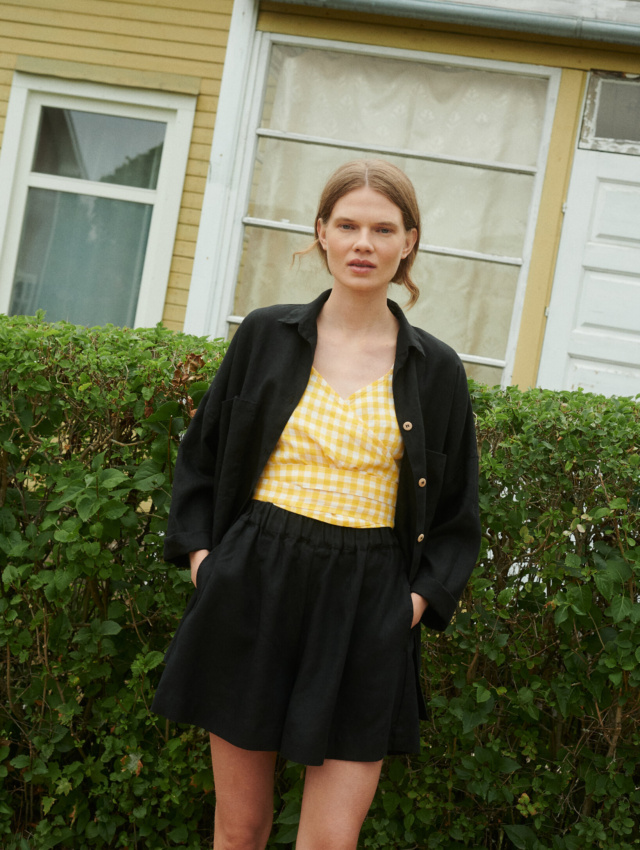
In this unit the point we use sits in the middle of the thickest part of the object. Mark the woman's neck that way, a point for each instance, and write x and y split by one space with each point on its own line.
358 313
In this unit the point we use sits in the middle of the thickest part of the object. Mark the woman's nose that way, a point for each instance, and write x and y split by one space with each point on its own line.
363 240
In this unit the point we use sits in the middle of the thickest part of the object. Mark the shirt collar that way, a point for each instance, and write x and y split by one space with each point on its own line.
305 316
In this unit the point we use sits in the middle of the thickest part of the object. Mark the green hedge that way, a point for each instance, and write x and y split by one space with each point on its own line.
533 739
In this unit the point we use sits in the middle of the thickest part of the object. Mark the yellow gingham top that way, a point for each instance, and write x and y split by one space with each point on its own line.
338 460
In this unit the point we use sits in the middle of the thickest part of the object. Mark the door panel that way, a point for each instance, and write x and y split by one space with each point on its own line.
592 338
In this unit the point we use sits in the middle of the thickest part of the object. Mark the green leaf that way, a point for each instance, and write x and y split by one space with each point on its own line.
390 802
180 834
482 694
286 835
522 836
152 659
108 627
110 478
152 482
606 584
47 803
86 506
165 412
620 608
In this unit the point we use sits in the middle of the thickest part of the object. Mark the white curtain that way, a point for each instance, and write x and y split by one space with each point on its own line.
427 108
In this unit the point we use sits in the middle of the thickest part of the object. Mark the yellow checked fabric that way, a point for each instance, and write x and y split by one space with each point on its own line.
338 459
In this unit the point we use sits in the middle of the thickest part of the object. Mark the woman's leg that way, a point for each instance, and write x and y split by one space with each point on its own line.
243 782
337 796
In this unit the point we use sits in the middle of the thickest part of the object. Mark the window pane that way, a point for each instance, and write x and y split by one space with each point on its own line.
489 375
426 107
619 111
466 303
267 275
91 146
474 209
80 258
452 290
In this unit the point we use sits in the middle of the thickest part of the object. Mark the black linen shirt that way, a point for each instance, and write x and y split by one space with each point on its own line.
255 391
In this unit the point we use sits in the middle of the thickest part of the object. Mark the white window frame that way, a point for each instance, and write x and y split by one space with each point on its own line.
209 310
29 93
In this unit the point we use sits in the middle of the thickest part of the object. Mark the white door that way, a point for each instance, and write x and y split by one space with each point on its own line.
592 338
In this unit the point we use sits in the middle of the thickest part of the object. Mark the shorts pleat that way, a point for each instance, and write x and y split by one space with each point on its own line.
298 639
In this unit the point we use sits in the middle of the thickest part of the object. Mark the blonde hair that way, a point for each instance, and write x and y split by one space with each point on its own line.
390 181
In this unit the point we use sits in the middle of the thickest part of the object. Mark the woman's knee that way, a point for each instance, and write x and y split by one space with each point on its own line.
247 833
243 782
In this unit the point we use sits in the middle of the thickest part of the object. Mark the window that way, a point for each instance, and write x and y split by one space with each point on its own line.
472 136
611 119
96 176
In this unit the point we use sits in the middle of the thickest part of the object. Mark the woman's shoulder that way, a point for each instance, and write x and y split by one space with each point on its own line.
266 330
433 351
431 348
280 319
268 316
433 345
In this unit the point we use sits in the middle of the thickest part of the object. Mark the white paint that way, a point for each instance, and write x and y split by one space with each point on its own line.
208 294
592 338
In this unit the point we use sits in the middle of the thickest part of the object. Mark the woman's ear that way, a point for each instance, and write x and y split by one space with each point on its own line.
410 241
321 230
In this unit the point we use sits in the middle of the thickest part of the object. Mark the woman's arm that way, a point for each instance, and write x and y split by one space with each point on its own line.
192 496
451 548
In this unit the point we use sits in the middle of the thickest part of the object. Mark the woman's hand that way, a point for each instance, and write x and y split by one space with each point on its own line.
195 559
420 605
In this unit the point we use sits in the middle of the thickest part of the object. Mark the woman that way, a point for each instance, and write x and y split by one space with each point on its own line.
325 498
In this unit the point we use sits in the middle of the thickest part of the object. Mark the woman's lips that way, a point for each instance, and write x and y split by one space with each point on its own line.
361 266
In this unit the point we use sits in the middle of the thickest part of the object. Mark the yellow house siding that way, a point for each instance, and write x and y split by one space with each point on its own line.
141 44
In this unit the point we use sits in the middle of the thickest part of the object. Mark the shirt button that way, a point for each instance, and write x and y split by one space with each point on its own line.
420 538
422 482
407 426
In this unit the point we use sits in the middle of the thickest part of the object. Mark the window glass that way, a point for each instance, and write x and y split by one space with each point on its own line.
619 111
80 258
434 108
468 138
611 118
469 301
93 146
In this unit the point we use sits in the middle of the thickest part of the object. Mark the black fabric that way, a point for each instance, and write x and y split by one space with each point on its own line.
255 391
298 639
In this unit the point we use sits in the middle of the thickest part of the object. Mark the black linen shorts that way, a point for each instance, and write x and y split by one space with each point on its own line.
298 639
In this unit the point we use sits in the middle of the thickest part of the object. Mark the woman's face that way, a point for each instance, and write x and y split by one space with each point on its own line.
365 240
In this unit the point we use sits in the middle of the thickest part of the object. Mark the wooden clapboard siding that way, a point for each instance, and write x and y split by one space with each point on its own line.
163 37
